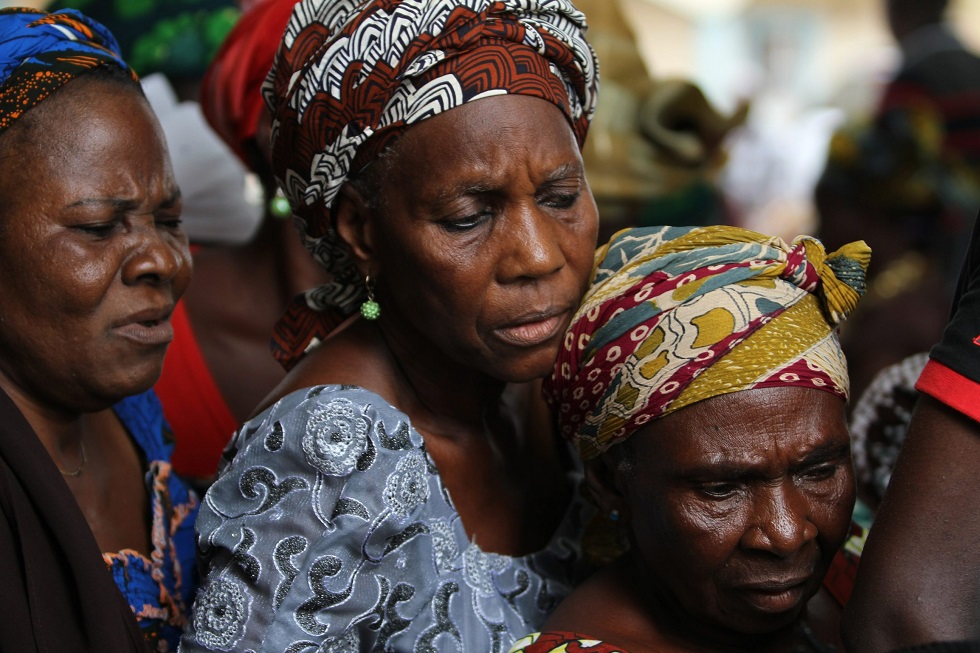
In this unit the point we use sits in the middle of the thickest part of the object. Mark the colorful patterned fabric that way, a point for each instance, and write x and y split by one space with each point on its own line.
231 92
557 641
40 52
676 315
352 75
331 530
839 579
160 587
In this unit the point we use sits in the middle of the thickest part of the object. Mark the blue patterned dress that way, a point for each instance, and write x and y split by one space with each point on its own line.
159 588
331 531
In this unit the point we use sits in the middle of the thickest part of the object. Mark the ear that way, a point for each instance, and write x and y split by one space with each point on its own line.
355 226
607 485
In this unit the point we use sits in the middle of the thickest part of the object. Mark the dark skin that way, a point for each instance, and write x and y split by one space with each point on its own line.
261 277
918 581
93 260
734 507
481 243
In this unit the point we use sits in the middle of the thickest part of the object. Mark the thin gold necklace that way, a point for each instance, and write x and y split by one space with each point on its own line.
81 465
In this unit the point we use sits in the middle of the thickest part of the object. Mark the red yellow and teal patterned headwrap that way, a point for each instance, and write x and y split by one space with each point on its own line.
40 52
676 315
353 74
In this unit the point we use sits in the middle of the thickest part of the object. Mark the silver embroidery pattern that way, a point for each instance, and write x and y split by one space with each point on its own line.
220 612
392 569
335 438
444 548
479 569
349 642
408 486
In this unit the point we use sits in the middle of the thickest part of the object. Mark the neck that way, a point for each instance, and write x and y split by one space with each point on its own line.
455 400
60 431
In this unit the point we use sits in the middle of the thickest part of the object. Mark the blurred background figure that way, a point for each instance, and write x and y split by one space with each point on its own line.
656 143
220 365
879 422
908 180
170 44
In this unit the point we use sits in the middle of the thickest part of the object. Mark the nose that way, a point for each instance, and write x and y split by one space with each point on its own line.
154 257
782 524
534 246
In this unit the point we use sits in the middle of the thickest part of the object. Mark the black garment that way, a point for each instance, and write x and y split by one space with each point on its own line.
56 593
943 647
959 348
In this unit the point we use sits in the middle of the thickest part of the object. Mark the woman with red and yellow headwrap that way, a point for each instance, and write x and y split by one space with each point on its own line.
703 383
403 488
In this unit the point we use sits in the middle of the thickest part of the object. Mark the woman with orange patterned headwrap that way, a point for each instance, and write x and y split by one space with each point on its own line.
403 488
703 384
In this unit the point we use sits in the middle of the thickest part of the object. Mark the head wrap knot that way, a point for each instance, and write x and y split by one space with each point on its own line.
676 315
353 74
40 52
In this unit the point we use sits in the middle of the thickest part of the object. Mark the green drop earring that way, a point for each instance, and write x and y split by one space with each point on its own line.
279 206
370 309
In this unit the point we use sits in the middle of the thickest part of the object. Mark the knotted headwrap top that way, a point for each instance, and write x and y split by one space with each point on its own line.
231 91
352 75
40 52
676 315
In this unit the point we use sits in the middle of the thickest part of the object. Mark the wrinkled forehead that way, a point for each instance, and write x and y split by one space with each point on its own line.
742 432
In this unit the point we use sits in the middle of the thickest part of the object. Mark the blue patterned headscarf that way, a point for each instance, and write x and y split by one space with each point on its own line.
40 52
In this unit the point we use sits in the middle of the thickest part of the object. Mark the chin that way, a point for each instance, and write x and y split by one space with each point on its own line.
525 373
136 380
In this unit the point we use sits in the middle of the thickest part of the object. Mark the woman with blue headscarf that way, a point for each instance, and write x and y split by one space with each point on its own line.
94 528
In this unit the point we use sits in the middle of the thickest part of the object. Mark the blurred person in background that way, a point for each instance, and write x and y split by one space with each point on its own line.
908 182
220 365
657 143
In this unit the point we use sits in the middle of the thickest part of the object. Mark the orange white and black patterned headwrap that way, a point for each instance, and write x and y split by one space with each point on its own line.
353 74
676 315
40 52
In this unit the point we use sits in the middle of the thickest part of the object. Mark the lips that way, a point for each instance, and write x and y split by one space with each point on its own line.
150 327
775 595
534 328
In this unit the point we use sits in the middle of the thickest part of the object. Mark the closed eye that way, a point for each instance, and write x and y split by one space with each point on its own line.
719 490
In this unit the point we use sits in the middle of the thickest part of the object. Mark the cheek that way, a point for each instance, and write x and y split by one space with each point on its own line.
183 277
832 512
688 537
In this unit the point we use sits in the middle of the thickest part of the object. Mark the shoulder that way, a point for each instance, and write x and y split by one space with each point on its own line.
330 426
312 453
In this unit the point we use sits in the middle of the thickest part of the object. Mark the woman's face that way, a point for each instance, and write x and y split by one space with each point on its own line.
92 255
738 504
484 240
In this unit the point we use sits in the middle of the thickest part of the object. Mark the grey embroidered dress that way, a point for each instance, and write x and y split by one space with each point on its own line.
331 531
